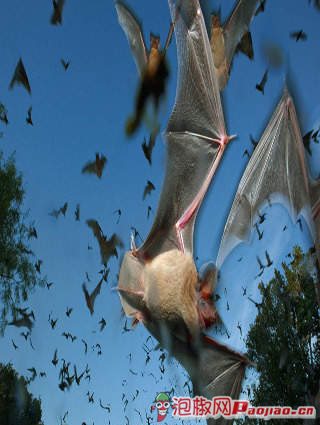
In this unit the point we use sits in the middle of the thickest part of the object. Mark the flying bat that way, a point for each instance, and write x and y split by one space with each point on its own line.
299 35
108 248
147 148
91 298
276 171
95 167
151 64
148 189
61 210
158 282
29 118
65 64
233 36
20 77
56 17
262 83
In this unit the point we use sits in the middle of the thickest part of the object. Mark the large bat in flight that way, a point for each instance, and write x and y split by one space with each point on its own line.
158 282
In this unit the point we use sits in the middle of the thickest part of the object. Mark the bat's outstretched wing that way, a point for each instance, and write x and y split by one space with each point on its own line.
132 29
277 171
195 136
237 26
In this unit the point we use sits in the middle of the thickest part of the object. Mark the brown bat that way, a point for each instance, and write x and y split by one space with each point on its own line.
20 77
233 36
108 248
56 17
95 167
158 282
151 65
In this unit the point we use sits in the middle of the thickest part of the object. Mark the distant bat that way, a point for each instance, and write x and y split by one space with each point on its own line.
262 83
299 35
95 167
29 118
91 298
148 189
108 248
20 77
147 148
77 212
56 17
62 210
54 361
65 64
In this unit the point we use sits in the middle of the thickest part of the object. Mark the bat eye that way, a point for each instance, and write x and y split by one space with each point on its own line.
159 405
166 404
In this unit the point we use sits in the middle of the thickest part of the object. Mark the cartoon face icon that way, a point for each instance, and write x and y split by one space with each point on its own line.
162 404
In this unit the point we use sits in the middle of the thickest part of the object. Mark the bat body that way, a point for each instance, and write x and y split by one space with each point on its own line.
158 282
151 64
233 36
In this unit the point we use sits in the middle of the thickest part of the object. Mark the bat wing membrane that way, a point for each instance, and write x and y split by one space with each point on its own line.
238 25
196 120
133 32
277 170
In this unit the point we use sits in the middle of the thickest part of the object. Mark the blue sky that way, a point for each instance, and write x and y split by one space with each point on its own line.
83 111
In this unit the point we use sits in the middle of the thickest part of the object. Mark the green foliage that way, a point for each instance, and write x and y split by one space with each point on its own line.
17 273
17 406
284 340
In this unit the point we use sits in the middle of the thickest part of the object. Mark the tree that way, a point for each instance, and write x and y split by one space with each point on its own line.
284 340
17 273
17 406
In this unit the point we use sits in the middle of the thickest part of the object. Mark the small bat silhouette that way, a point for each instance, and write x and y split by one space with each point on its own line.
262 83
54 361
147 148
65 64
56 17
107 247
29 118
20 77
299 35
62 210
77 212
95 167
90 299
148 189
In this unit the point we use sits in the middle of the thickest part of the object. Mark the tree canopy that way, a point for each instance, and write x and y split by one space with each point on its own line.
17 406
284 340
17 271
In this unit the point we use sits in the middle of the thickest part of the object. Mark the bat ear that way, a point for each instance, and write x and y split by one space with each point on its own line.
208 279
